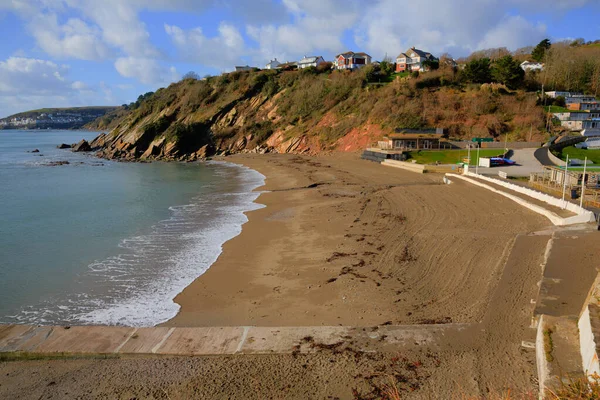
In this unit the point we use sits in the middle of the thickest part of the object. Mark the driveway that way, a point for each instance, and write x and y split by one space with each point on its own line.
526 161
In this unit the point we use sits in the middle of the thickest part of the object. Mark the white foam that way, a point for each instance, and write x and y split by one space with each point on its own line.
154 304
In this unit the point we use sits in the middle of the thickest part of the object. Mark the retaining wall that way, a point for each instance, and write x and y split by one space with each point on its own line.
540 356
556 160
413 167
587 343
583 215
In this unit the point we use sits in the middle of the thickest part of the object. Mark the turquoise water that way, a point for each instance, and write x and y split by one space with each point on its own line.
101 242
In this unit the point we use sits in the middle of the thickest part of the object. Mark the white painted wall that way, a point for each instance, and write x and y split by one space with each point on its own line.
587 344
546 198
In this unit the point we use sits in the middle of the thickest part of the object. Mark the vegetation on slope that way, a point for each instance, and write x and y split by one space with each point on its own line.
316 109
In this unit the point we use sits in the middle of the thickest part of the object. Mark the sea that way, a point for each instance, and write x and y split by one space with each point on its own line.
103 242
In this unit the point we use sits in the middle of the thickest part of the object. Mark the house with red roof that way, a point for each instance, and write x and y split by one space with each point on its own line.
351 60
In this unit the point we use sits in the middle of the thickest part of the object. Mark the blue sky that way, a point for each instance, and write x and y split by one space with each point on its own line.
92 52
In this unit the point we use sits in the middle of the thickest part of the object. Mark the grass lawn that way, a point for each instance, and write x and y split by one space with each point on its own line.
556 109
450 156
574 152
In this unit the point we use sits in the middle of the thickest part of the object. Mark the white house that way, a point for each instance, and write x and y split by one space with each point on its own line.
555 94
532 66
414 60
312 61
273 64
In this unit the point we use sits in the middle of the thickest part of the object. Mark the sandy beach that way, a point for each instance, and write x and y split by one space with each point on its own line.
344 241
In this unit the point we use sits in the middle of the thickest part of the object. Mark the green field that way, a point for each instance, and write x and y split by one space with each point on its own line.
450 156
556 109
573 152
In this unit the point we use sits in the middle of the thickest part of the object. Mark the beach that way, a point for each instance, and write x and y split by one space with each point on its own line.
343 241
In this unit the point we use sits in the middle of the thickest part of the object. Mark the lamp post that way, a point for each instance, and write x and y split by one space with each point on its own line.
477 164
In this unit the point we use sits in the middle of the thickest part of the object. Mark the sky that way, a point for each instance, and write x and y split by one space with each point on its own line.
67 53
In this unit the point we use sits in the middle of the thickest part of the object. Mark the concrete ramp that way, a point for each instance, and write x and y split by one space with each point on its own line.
216 340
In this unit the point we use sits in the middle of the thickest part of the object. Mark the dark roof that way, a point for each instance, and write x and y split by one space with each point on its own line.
351 53
415 135
418 52
421 131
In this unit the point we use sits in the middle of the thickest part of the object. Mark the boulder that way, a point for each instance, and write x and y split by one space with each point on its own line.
82 146
35 151
63 146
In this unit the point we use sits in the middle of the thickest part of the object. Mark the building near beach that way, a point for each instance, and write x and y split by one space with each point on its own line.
413 139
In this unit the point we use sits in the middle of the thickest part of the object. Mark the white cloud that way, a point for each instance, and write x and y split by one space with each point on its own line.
78 85
29 83
513 32
147 70
30 75
317 26
74 39
222 51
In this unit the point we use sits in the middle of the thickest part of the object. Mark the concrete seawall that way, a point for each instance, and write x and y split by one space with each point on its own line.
582 215
212 340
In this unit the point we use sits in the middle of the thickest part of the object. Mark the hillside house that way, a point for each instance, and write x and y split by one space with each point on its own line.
288 66
579 98
532 66
312 61
243 68
273 64
576 115
413 139
584 106
351 60
414 60
554 94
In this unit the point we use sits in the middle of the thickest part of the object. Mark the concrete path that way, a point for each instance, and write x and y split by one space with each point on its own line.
215 340
542 156
527 163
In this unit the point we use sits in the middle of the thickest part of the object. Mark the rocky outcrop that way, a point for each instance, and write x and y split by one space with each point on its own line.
82 146
99 141
63 146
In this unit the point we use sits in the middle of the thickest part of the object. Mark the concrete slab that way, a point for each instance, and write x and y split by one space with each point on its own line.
85 339
265 340
30 340
144 340
202 341
12 336
570 272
